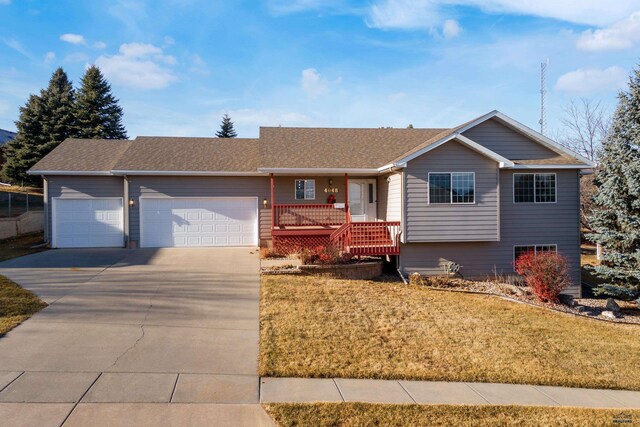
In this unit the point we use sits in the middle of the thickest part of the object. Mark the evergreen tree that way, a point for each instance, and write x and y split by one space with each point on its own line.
226 128
45 121
98 114
616 214
18 153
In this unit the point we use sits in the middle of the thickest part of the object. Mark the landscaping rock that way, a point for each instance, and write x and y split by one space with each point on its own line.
612 305
610 315
567 300
580 308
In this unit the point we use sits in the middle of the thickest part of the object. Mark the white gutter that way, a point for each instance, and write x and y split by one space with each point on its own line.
185 173
88 173
540 166
350 171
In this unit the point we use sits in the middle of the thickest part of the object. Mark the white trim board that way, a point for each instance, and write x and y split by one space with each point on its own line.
502 161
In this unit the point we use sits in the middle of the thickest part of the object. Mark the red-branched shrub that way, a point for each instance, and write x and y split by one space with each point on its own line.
546 273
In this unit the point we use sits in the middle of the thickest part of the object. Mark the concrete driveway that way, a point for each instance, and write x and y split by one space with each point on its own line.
135 337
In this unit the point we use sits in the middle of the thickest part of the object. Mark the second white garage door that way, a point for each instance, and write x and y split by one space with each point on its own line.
186 222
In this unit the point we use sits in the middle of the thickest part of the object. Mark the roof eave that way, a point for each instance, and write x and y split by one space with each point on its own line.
58 172
354 171
185 173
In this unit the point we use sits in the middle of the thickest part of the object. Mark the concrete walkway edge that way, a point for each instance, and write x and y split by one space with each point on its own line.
308 390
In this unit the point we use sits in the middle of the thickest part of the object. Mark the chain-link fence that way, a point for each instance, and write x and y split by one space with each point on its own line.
15 203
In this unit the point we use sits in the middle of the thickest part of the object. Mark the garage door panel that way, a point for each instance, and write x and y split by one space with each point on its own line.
198 222
82 223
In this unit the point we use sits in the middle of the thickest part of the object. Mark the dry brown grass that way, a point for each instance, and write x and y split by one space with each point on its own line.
21 245
318 327
16 305
363 414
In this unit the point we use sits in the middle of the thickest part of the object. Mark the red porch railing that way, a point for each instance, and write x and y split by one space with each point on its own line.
368 238
307 215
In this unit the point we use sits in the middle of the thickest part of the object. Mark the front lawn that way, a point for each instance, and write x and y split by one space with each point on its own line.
318 327
363 414
16 305
20 246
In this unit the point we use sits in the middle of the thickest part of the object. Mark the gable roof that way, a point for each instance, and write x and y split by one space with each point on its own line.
82 156
172 154
336 148
293 150
563 155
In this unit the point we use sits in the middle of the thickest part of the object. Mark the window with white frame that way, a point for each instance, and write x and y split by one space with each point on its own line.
305 189
452 187
520 250
534 187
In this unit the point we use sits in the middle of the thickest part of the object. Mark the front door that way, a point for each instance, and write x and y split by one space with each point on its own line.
362 199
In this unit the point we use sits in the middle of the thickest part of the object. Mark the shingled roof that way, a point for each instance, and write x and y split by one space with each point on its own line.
337 148
278 148
83 155
158 153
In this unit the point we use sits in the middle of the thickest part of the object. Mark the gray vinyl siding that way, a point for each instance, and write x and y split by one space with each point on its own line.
427 222
284 189
507 142
521 224
389 192
182 186
70 187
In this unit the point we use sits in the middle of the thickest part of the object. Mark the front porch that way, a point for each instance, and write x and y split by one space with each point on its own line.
353 226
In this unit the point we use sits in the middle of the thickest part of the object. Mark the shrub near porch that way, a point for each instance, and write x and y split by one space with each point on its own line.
318 327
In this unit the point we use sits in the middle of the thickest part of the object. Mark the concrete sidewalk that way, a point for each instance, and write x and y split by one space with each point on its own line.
434 392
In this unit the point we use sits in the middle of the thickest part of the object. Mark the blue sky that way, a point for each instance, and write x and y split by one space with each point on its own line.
178 65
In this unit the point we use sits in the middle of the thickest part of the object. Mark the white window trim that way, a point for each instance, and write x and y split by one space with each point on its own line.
535 250
451 198
295 183
513 187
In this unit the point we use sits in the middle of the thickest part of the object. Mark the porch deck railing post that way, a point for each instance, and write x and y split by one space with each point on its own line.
273 205
346 196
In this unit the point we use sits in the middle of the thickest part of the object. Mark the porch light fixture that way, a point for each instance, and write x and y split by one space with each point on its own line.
265 202
131 202
330 181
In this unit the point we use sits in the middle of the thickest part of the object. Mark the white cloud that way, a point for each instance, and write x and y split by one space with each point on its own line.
589 80
313 84
73 38
621 35
199 66
282 7
5 1
429 14
100 45
451 29
49 57
169 41
139 66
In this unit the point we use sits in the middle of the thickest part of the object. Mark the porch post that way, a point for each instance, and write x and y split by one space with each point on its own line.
273 212
346 194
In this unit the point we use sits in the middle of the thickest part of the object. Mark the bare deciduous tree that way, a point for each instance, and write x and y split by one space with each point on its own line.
585 126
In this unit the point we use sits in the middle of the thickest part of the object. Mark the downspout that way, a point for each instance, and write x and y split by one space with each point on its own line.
127 241
45 199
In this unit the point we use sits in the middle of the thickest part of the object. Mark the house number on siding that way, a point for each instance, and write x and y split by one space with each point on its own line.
330 190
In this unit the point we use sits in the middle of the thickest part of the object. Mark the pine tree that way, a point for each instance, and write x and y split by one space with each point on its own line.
98 114
616 214
18 153
226 128
45 121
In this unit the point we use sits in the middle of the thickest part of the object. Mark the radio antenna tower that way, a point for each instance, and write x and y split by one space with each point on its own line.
543 96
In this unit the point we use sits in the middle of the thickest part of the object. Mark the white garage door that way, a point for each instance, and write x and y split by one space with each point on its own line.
184 222
87 223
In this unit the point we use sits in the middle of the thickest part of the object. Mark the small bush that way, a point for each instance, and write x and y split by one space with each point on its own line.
546 273
416 279
269 253
324 255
